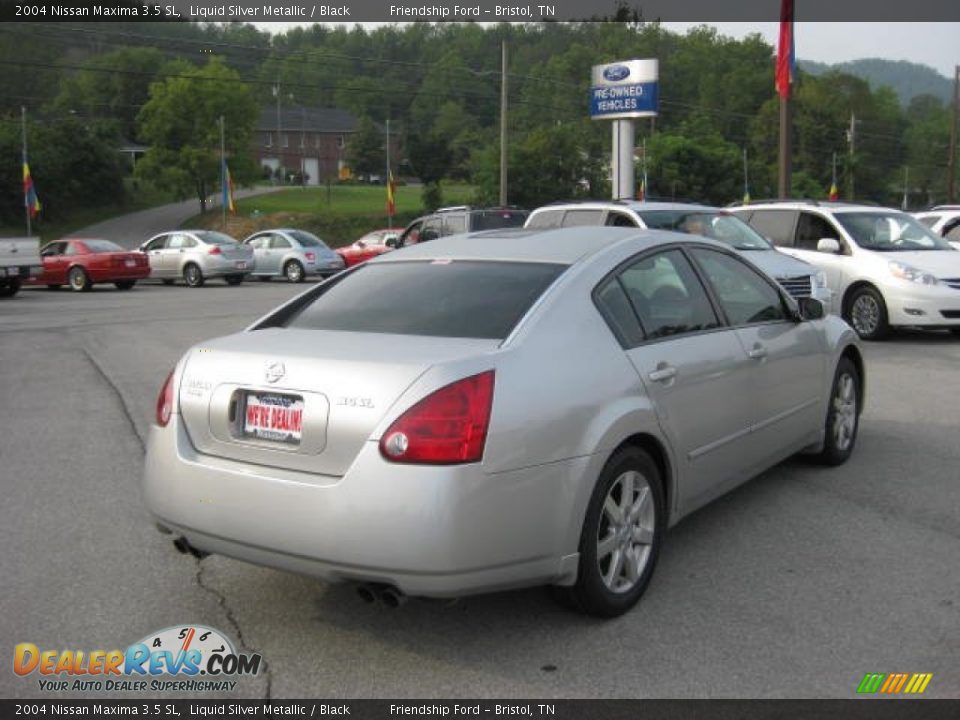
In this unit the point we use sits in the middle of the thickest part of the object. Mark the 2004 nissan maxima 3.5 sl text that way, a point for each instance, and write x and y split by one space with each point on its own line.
499 410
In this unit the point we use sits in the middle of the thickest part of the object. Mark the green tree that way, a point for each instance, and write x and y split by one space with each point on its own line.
181 123
366 151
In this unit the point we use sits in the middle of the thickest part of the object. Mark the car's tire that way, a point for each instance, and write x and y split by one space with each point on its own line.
293 271
125 284
193 275
866 312
10 288
621 535
233 279
955 330
843 414
167 281
78 279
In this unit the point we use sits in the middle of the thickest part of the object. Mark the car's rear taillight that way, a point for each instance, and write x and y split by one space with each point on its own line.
214 250
447 427
165 401
310 256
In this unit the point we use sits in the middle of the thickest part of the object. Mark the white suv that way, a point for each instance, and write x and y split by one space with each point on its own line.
885 268
943 220
798 278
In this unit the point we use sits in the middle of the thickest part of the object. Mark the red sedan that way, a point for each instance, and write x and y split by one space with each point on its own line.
81 263
370 245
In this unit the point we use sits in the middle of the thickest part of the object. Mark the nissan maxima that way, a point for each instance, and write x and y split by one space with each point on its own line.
498 410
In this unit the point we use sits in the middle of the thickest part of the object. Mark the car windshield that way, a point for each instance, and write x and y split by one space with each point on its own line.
211 237
306 239
99 246
440 298
715 225
889 232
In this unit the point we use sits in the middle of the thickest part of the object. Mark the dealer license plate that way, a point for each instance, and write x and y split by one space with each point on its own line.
241 264
278 418
130 263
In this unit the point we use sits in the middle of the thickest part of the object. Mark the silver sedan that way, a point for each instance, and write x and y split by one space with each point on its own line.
196 255
293 254
475 414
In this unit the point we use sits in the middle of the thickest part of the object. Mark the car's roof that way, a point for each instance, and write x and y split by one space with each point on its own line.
944 212
565 246
830 207
635 205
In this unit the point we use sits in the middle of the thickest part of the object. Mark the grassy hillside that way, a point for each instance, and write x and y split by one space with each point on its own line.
339 215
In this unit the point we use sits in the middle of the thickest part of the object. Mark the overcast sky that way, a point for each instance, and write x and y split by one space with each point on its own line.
934 44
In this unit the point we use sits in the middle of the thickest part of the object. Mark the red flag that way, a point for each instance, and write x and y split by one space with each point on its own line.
786 59
834 191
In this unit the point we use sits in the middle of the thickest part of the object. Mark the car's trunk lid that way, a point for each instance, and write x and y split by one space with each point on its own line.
303 399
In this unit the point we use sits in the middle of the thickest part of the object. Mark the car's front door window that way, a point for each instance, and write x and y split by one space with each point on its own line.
745 296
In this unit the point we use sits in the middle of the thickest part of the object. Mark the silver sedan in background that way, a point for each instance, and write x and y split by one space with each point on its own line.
293 254
197 255
496 410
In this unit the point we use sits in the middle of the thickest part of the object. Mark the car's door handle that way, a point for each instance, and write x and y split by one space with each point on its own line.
759 352
663 373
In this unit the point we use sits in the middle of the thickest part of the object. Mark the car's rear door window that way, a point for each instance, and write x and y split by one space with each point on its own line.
667 296
775 224
442 298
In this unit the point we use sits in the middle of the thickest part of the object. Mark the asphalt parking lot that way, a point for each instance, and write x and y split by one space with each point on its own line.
794 585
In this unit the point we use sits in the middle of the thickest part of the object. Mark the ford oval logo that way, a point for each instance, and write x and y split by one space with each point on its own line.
614 73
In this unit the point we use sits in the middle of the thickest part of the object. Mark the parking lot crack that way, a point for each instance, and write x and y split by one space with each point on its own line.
116 391
234 624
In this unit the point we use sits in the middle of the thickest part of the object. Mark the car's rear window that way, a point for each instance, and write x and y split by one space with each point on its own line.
99 246
211 237
307 239
440 298
496 219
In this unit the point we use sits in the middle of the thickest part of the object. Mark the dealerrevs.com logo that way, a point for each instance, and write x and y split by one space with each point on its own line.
183 658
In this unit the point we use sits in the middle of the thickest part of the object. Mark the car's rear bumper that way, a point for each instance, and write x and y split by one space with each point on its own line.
432 531
220 268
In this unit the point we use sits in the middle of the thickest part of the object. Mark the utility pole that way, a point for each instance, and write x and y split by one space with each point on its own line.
276 92
852 139
23 132
224 190
503 124
952 160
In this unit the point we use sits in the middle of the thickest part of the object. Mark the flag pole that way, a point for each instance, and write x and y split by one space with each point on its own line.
785 77
23 128
746 179
223 178
389 179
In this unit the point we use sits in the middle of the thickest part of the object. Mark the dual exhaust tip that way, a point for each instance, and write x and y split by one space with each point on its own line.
184 546
388 595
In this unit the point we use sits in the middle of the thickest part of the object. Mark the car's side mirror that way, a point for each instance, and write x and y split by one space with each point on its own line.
392 242
828 245
810 308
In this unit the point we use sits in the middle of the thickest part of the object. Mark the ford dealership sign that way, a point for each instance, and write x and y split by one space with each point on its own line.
627 89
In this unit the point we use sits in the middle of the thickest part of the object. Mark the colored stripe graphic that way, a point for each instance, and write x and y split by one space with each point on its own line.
894 683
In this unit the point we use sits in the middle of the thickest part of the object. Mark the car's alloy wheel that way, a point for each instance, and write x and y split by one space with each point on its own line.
843 414
293 271
78 279
867 314
621 535
192 276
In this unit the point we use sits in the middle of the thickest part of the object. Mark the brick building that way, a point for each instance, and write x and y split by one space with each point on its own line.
312 140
